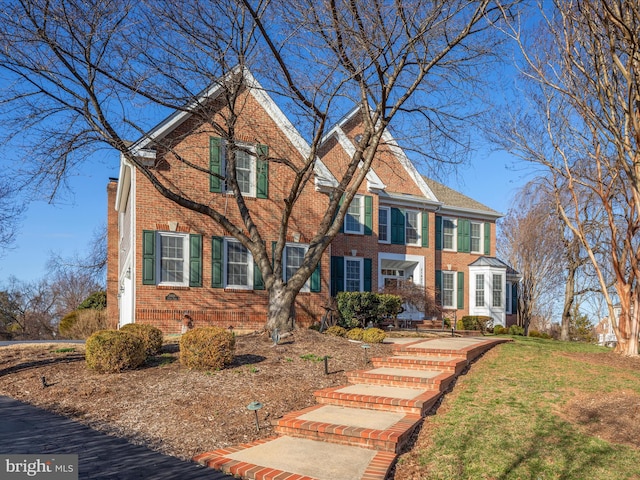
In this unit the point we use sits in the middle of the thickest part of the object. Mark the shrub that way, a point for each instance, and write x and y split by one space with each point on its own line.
336 331
207 348
95 301
111 351
151 336
534 334
446 322
357 308
499 329
355 333
81 324
460 325
373 335
389 305
477 322
516 330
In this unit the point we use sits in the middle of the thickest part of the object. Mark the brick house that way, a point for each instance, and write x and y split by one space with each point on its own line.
167 264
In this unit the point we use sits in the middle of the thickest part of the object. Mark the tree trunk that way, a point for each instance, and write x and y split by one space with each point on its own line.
569 290
627 328
281 313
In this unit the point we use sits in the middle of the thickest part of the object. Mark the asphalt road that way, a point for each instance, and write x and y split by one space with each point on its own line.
25 429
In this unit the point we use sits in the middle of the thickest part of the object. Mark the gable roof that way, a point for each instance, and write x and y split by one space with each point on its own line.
141 148
456 202
494 262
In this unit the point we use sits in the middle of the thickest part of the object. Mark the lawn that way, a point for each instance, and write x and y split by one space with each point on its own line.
535 409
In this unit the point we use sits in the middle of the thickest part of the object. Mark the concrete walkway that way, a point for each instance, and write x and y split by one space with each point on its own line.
25 429
356 431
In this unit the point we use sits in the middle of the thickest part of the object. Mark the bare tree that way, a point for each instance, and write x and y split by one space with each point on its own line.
530 241
11 207
87 74
582 73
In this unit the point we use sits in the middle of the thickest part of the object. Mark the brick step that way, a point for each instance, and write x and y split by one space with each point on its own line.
429 324
383 431
379 397
402 377
444 364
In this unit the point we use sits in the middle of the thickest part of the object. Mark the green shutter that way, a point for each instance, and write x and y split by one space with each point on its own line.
438 232
217 246
366 280
337 275
439 287
397 226
262 172
460 290
258 281
195 260
215 164
464 235
514 298
487 238
425 229
316 285
368 215
148 257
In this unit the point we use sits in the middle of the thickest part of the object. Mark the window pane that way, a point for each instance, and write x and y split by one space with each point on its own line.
237 265
352 276
447 289
293 260
497 290
353 223
448 229
383 225
411 229
244 163
172 259
479 290
475 237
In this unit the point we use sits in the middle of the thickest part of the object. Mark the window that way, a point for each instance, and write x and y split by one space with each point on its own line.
476 237
448 234
384 224
448 289
353 275
239 265
293 257
480 290
353 220
497 290
173 259
509 299
412 227
246 170
252 173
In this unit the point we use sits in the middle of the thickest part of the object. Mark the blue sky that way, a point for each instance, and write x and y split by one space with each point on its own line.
68 226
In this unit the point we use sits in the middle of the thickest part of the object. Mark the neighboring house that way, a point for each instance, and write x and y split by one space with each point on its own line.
167 263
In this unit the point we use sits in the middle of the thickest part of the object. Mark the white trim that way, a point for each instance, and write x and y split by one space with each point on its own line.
481 215
388 229
418 273
481 242
307 285
359 260
418 242
373 180
498 314
454 241
185 258
454 294
225 266
360 231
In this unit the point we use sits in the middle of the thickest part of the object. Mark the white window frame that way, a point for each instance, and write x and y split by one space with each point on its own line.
454 294
454 235
360 261
418 227
360 231
249 286
387 230
285 256
494 277
185 258
480 291
480 237
252 170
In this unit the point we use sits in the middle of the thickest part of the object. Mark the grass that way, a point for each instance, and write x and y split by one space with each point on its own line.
312 357
502 421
